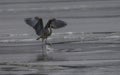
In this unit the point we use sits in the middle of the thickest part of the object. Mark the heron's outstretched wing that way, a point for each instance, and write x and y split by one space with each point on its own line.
31 21
58 24
36 24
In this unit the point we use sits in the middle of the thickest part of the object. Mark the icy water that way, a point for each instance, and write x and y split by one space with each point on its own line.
88 45
70 53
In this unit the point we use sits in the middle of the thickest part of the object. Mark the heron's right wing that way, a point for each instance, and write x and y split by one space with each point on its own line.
36 24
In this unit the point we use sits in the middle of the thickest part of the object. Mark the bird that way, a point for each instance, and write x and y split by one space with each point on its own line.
44 31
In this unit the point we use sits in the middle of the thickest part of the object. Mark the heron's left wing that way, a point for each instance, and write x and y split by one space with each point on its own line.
58 24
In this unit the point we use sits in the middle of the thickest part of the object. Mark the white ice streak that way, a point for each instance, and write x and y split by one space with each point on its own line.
13 35
113 37
43 8
18 40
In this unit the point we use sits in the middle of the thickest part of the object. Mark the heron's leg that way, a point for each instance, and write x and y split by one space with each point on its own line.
47 42
43 48
44 51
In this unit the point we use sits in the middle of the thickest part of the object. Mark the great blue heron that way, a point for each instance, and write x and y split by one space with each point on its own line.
44 31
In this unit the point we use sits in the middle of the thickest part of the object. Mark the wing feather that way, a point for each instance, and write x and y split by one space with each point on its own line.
58 24
36 24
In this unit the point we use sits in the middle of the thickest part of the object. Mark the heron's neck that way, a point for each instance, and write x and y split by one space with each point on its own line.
50 30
